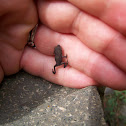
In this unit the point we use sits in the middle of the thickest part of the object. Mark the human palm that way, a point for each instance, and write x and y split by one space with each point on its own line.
91 34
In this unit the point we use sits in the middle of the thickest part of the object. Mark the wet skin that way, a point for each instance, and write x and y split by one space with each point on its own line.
58 58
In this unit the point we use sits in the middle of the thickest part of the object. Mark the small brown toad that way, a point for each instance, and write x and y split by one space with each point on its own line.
58 58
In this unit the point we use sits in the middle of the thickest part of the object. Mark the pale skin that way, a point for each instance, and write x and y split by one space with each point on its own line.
91 33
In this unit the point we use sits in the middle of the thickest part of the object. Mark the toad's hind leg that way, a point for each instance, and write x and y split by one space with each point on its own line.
65 63
54 71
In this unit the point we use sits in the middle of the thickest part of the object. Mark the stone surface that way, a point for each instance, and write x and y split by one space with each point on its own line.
26 100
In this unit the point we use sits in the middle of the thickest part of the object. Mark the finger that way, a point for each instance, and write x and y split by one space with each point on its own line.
58 15
101 38
82 58
111 12
16 22
90 30
9 58
41 65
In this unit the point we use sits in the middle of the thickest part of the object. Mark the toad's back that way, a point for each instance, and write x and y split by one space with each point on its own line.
58 54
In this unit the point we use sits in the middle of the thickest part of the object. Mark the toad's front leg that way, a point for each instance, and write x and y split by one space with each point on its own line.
64 56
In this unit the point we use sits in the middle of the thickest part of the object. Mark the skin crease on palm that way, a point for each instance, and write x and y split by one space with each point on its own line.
92 34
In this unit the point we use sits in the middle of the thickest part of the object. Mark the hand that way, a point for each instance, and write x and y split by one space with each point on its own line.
93 38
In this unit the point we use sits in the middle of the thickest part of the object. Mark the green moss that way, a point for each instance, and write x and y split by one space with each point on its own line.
112 108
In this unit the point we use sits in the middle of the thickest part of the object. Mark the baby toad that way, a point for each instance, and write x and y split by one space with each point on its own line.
58 58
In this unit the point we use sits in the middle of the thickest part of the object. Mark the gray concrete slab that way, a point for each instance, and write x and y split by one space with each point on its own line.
26 100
